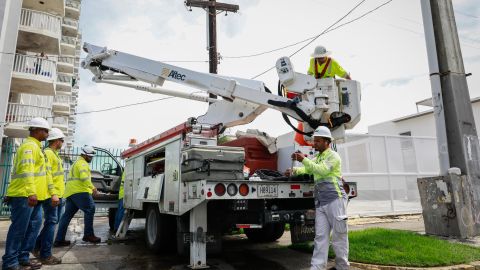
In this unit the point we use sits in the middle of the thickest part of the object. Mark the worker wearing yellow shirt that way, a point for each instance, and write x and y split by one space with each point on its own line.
322 66
120 209
28 187
44 244
78 192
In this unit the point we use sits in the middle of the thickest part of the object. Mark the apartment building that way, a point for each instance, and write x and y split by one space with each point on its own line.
40 45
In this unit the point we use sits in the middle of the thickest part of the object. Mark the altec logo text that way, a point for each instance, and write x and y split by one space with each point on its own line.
175 75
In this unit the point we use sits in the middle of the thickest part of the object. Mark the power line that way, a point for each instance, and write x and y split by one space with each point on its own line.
329 29
123 106
466 14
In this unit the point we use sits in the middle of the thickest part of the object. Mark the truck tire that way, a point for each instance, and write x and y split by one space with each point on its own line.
160 230
112 212
270 232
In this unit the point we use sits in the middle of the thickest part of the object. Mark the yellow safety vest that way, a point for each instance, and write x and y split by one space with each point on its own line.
29 174
121 191
79 178
57 173
333 69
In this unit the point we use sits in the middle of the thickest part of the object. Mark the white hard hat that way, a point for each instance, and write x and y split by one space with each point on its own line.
88 151
320 51
322 132
38 122
54 134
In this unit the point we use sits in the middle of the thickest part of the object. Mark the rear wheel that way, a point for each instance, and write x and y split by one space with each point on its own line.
270 232
160 230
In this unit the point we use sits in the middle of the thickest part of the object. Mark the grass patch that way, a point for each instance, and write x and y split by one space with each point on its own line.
402 248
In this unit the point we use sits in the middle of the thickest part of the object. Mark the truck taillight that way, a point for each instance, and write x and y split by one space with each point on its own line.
232 189
220 189
243 189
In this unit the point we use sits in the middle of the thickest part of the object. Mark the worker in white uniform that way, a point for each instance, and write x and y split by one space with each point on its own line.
330 200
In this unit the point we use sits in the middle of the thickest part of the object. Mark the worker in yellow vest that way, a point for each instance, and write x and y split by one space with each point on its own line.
120 209
330 200
27 189
44 244
78 193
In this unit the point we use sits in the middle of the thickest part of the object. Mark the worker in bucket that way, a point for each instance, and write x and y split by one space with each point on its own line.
78 192
322 66
27 190
44 244
330 200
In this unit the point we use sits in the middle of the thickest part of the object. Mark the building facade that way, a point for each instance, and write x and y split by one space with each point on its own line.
40 45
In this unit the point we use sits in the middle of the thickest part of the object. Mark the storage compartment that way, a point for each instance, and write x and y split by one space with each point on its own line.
212 162
256 154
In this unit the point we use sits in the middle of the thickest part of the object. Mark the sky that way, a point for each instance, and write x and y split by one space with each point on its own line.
385 51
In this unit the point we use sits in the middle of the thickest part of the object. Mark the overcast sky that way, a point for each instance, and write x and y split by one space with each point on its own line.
385 51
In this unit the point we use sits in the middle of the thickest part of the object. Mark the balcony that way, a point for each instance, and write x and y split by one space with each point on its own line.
60 122
61 104
64 82
72 9
65 64
39 32
33 75
69 27
56 7
17 116
67 45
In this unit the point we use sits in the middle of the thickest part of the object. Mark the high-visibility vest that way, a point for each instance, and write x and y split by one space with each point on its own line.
332 69
29 175
79 178
55 166
121 191
326 167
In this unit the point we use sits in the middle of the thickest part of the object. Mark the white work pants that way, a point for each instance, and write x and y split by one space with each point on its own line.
331 218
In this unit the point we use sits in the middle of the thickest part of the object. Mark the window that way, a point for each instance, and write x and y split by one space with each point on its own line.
105 163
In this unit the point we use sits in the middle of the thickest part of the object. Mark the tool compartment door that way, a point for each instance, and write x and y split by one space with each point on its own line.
172 177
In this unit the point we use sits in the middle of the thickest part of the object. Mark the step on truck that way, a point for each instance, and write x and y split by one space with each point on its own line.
190 189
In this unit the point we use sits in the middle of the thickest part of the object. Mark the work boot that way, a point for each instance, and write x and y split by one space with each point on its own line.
19 267
36 253
92 239
52 260
31 264
64 243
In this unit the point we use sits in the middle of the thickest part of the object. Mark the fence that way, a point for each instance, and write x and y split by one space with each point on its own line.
68 156
386 169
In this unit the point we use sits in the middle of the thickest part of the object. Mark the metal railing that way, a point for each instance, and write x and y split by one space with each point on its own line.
61 78
72 4
40 21
62 99
33 65
22 113
70 22
69 40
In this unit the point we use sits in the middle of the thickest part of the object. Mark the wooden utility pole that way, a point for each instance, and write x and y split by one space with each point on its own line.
211 6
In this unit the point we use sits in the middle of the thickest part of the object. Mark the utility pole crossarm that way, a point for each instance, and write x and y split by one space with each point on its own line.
216 5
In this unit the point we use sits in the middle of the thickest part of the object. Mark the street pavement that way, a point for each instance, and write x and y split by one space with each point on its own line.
237 253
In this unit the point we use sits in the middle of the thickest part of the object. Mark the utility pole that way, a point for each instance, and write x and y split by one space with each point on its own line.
451 202
211 6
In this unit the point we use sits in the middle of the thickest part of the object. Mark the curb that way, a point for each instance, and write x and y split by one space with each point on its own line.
467 266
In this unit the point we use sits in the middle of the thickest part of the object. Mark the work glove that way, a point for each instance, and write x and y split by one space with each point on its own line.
32 200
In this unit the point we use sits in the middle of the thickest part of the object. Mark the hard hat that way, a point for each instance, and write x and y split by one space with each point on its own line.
323 132
54 134
38 122
88 151
320 51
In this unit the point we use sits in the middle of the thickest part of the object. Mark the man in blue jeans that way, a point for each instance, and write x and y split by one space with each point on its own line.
78 191
120 209
27 187
44 244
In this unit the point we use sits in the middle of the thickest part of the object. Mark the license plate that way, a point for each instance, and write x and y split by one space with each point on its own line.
267 191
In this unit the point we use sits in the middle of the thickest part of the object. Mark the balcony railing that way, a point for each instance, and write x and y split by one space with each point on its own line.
62 99
40 21
68 60
72 4
69 40
35 66
64 79
70 22
22 113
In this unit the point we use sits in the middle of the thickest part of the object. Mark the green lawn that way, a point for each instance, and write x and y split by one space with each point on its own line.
402 248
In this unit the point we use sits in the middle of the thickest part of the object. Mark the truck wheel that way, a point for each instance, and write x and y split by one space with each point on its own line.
160 230
270 232
111 218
